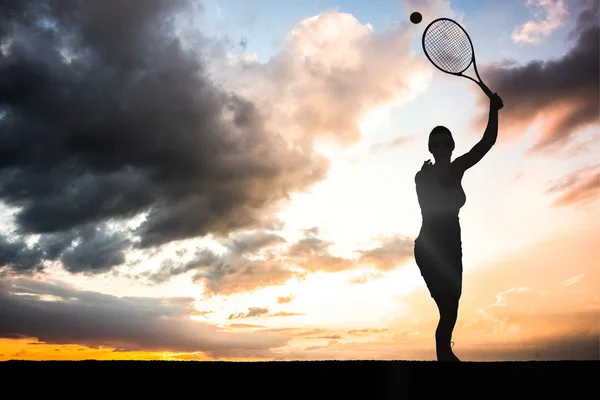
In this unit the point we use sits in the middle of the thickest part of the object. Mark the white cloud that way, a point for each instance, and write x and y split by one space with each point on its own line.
548 15
573 280
332 72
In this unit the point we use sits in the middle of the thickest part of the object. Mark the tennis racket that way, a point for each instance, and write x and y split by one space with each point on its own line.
449 48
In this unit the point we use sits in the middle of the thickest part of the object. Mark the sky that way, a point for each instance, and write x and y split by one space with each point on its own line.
234 180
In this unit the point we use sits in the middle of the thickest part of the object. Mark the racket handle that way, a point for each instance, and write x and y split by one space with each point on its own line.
486 90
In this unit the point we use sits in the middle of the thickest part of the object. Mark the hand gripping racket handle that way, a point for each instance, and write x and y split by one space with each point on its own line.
488 92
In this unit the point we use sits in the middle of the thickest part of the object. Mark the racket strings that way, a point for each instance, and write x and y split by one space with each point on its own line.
448 46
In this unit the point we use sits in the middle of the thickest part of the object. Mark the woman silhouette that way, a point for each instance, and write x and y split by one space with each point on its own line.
438 251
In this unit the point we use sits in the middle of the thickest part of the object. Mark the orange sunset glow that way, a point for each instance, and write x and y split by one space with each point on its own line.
235 180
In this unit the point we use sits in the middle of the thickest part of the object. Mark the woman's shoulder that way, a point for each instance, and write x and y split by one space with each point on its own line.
425 172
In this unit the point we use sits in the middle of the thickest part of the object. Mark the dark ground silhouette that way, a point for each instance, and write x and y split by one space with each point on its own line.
305 380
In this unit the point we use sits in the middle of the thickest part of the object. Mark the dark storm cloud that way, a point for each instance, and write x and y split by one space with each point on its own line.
563 91
90 249
97 251
107 115
18 256
202 258
127 323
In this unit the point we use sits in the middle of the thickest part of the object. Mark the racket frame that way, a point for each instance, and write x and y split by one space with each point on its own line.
482 85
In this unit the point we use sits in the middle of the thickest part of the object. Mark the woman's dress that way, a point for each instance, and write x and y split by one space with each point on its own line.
438 248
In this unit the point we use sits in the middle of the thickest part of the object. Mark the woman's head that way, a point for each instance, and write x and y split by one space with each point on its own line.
441 143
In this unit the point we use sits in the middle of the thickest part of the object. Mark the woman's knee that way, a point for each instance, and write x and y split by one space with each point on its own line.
447 304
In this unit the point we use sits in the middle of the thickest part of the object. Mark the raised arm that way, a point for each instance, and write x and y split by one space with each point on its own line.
474 155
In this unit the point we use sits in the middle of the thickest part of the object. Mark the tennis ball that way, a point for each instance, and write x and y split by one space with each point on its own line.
416 17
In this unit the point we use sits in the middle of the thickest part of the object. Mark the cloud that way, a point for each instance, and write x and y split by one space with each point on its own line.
393 252
252 312
109 114
90 249
167 129
577 346
364 278
578 187
285 299
508 312
285 314
255 312
390 144
254 260
97 251
246 326
202 313
573 280
362 332
17 256
520 316
560 95
555 14
249 263
259 259
127 324
410 345
330 337
250 242
505 289
312 254
228 277
331 72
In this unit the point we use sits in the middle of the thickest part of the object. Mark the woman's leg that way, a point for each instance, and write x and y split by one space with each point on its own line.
448 308
447 303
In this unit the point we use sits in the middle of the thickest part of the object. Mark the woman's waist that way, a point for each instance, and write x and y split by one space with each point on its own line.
449 220
446 227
